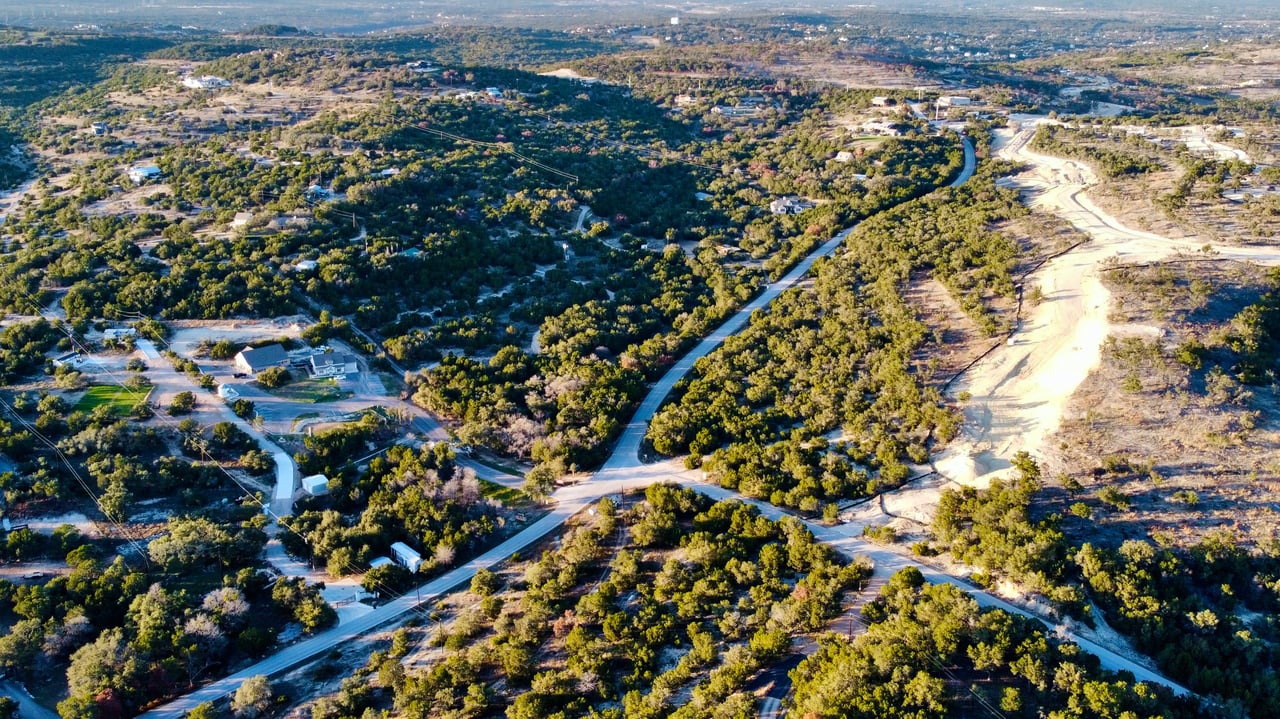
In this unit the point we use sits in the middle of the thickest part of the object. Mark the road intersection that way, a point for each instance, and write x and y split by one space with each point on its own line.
625 471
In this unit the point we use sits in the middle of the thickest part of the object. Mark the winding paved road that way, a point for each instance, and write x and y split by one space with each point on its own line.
623 471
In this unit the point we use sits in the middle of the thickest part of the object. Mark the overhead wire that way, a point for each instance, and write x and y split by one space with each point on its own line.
203 446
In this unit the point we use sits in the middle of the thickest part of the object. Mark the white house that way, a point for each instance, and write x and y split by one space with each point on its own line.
142 173
334 364
954 101
789 206
406 556
241 219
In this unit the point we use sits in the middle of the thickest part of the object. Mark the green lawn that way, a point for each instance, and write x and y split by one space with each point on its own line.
312 390
506 495
121 399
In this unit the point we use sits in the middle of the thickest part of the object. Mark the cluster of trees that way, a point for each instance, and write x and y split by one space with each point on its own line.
1253 337
993 530
1184 606
421 498
23 346
1112 163
665 609
519 404
141 627
929 651
844 353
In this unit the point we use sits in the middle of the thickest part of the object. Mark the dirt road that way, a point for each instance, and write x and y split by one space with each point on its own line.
1019 392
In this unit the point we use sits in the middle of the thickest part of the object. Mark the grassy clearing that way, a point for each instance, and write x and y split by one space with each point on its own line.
506 495
122 400
312 390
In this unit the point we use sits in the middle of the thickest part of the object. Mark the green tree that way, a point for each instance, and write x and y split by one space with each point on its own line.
182 403
253 698
484 582
540 482
274 377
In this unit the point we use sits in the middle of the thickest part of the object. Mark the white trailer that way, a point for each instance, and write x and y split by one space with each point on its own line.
407 556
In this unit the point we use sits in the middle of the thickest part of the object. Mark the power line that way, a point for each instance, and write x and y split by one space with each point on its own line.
204 450
79 479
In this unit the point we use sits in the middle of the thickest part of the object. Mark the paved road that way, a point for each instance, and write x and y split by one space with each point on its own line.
163 374
847 539
970 164
28 708
623 471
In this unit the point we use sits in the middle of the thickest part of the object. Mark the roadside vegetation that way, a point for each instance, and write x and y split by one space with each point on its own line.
663 608
823 396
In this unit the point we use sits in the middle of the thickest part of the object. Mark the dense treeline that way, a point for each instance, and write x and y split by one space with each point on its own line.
929 651
841 354
421 498
35 65
144 626
561 408
665 609
1204 613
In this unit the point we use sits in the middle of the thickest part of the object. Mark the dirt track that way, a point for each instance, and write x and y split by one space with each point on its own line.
1019 392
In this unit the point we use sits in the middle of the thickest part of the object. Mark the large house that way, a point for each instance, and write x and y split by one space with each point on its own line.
333 364
789 206
253 360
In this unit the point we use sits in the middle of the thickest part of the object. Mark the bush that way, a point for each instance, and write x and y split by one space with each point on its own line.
243 408
183 403
274 377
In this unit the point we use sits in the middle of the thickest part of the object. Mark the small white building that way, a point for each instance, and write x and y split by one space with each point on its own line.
305 265
406 556
954 101
143 173
789 206
205 82
315 485
844 156
241 219
380 562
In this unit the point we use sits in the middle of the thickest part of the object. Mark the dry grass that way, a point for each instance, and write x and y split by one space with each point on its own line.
1192 453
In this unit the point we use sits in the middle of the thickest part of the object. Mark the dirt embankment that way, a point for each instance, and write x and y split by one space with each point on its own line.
1018 395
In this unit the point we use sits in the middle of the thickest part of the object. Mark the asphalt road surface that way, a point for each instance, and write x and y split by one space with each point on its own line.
624 471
